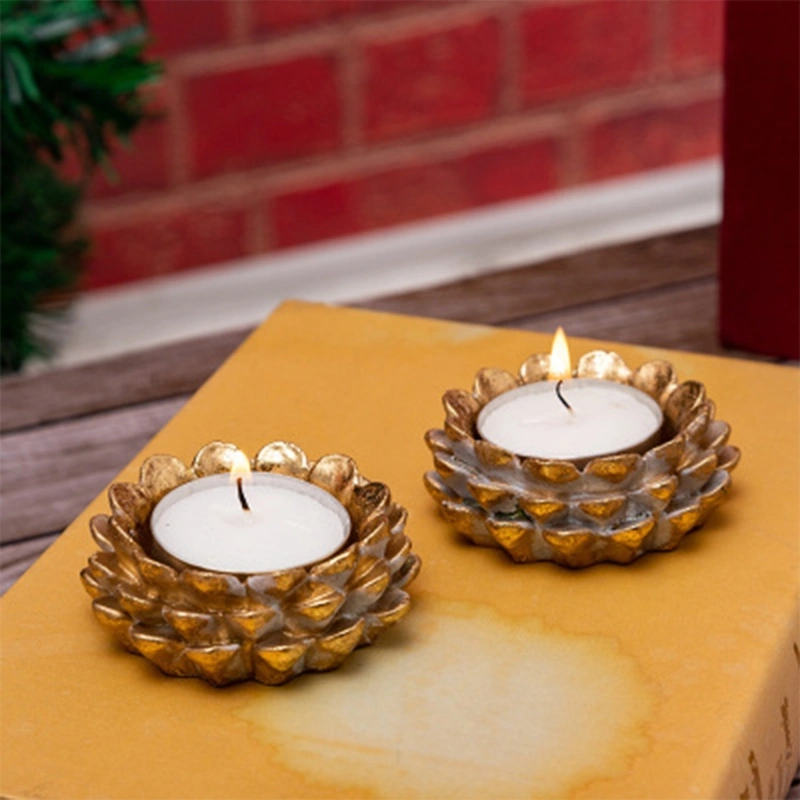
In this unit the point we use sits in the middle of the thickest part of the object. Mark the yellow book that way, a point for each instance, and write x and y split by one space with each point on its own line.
676 676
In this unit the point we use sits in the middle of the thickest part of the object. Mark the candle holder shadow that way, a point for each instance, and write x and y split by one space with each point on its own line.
613 508
270 626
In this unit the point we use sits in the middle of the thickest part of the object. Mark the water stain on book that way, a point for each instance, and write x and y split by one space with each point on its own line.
462 701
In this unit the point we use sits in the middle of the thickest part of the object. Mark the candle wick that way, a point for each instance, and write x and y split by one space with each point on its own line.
561 397
240 492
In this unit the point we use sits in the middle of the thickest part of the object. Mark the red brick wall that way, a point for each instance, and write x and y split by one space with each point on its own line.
286 122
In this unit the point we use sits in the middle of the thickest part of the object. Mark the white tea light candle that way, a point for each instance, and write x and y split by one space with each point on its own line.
605 418
288 523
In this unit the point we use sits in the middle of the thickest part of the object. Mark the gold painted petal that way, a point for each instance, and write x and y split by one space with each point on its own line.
284 458
491 382
375 537
614 468
161 474
467 520
397 552
716 435
343 639
269 586
686 397
276 662
215 457
253 623
602 508
219 664
112 617
535 368
335 474
728 457
437 441
551 471
664 489
157 645
371 576
515 537
337 569
105 568
701 470
408 572
317 602
447 465
99 527
94 588
572 548
217 591
370 501
460 407
488 494
135 601
655 378
456 431
695 422
129 502
391 608
492 456
605 365
632 536
397 517
436 487
162 576
670 453
191 625
715 492
683 520
541 508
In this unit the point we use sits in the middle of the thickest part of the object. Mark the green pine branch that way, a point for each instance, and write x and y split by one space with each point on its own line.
70 75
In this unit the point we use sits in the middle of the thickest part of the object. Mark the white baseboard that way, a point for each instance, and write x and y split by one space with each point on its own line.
108 322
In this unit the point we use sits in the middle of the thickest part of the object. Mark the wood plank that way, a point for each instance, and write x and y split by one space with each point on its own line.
78 457
679 317
17 557
152 374
575 280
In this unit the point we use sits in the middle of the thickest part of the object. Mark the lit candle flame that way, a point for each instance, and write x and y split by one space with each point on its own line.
240 473
240 467
560 365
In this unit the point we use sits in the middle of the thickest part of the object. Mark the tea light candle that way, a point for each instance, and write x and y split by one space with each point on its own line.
594 418
606 418
289 523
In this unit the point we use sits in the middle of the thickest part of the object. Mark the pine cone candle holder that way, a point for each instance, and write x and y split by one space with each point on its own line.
611 508
225 627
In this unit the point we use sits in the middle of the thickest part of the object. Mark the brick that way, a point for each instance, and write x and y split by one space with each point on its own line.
570 49
140 166
413 192
164 244
654 138
696 34
257 115
431 81
278 15
513 171
178 26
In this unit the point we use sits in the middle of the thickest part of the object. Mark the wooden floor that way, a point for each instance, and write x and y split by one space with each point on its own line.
80 426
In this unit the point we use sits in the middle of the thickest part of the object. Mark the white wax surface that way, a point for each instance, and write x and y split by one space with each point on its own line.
291 523
608 418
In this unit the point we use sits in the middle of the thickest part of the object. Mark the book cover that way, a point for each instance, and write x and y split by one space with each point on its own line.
676 676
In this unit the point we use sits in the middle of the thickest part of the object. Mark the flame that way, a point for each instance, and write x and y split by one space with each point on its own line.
240 467
560 364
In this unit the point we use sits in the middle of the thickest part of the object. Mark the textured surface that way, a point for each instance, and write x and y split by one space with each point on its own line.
670 677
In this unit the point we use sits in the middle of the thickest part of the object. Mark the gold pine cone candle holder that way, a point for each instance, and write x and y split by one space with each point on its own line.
613 508
271 626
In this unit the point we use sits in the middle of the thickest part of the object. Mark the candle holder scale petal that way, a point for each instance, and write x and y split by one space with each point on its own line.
271 626
613 508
